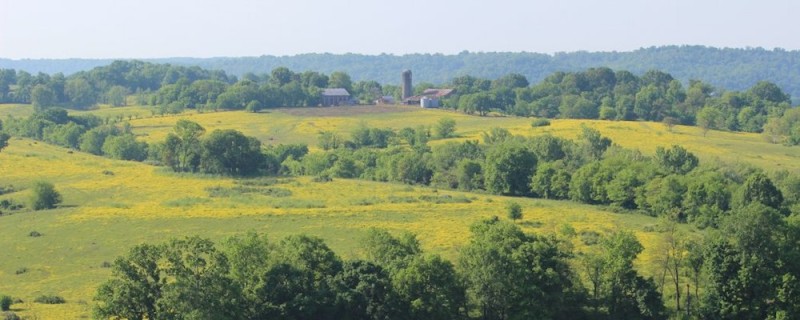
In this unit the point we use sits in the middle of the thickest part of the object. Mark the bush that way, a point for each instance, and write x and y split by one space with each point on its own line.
35 234
9 316
49 299
5 303
540 122
45 196
514 211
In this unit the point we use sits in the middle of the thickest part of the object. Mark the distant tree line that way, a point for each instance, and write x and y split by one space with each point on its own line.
171 89
597 93
601 93
732 68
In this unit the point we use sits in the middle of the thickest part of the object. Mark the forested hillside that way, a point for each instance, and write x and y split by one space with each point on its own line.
734 69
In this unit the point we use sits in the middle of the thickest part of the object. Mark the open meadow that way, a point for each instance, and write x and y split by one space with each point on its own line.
110 205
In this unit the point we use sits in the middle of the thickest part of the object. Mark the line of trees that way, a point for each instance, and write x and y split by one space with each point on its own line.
601 93
744 271
502 273
596 93
672 183
590 170
171 89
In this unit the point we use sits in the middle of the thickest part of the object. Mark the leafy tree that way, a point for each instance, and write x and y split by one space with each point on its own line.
231 152
4 137
709 118
182 148
550 181
125 147
294 151
549 148
92 141
496 135
508 169
511 275
445 128
136 288
364 291
629 295
329 140
469 175
676 159
340 79
199 286
664 196
42 97
391 252
44 196
514 211
80 92
758 188
744 265
5 302
249 258
432 287
593 143
117 96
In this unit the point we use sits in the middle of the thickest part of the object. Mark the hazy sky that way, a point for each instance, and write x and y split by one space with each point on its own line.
201 28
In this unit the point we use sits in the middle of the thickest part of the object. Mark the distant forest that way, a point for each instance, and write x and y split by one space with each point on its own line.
734 69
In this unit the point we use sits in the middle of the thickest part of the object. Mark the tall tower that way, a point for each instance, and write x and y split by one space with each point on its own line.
406 84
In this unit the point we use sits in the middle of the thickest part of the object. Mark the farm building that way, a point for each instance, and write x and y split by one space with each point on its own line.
385 100
334 97
430 98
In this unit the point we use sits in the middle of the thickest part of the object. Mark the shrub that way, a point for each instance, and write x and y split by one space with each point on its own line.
6 315
589 237
514 211
35 234
45 196
10 205
7 189
540 122
49 299
5 303
21 271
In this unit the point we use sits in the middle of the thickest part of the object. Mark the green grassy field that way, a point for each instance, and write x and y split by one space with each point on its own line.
112 205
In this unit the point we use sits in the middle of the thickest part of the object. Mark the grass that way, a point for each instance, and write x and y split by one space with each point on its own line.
284 126
105 214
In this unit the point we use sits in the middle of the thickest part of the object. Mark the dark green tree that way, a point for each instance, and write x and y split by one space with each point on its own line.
758 188
125 147
514 211
445 128
231 152
508 169
44 196
136 288
432 287
676 159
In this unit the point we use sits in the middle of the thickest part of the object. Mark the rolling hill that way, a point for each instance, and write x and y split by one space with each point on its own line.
111 205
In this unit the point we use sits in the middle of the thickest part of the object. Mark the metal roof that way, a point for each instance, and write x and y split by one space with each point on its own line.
335 92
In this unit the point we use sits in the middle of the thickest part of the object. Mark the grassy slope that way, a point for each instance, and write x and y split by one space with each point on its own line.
292 126
104 215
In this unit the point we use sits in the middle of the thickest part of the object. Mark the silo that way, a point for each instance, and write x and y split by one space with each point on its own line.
406 84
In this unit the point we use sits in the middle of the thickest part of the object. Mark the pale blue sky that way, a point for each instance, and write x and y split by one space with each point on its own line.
202 28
